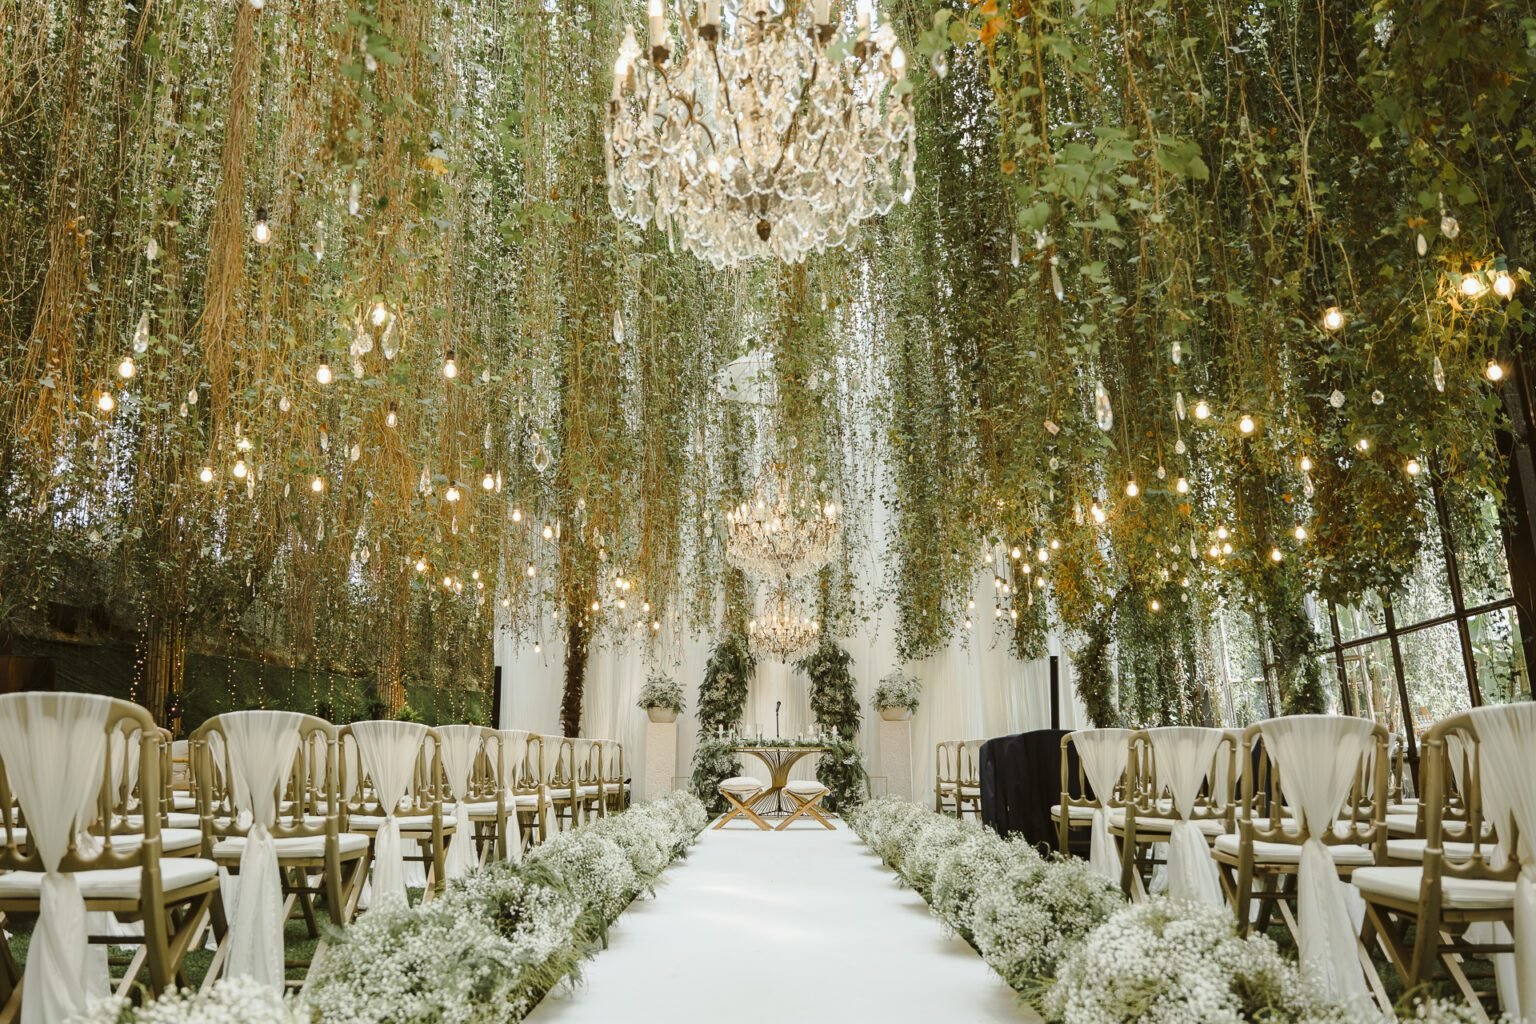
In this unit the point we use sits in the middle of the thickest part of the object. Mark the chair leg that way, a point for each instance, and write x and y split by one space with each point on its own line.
740 808
807 808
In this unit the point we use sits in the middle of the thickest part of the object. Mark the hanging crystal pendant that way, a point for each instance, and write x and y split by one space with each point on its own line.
141 334
1103 413
1056 288
1178 404
1336 399
325 440
1013 256
389 341
1306 484
618 328
541 458
425 484
356 453
1439 376
1377 397
1421 244
1179 447
152 250
1176 352
487 436
1449 226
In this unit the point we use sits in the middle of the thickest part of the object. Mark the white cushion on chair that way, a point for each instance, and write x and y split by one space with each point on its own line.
1403 824
970 791
292 846
114 883
1207 826
1290 853
805 787
1403 883
528 801
1413 849
407 822
1075 813
741 784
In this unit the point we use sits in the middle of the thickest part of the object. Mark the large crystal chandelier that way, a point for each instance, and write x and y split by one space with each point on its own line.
772 132
780 631
783 531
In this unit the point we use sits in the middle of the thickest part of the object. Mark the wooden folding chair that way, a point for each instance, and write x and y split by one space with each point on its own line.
807 796
420 816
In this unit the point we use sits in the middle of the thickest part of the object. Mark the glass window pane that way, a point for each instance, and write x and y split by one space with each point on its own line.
1502 674
1365 619
1480 555
1373 683
1434 674
1427 591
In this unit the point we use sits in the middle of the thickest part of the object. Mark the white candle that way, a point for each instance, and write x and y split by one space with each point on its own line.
658 25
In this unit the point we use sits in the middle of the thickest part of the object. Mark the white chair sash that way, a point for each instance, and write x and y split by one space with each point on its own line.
1104 754
514 750
460 745
1184 755
387 752
1506 737
54 746
1318 756
262 746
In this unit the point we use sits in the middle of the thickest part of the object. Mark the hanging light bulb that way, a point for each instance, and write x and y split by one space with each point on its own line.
1333 318
1246 425
1202 410
261 231
1494 371
1276 555
450 368
391 419
1413 467
239 470
1364 444
1181 485
488 482
1300 532
378 314
1221 533
323 371
1306 464
105 402
1503 283
317 484
1098 517
1016 554
206 474
1472 284
1154 605
1043 555
421 565
126 369
532 570
1132 488
549 532
452 493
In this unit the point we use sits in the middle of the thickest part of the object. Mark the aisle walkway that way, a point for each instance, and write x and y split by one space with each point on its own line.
801 925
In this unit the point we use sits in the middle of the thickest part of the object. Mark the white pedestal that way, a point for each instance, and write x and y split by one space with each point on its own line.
896 757
660 759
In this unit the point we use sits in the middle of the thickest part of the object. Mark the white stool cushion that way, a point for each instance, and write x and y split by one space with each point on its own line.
1290 853
741 784
118 883
1460 893
292 846
805 787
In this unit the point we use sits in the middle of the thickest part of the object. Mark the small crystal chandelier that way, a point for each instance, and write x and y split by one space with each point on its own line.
779 532
766 134
781 632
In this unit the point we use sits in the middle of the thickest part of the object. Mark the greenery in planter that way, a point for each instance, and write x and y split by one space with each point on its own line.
661 692
897 690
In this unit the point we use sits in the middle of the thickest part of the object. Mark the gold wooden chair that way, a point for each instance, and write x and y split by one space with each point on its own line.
417 810
564 781
1077 808
1147 814
315 857
946 777
118 868
1436 902
968 788
591 791
529 777
616 785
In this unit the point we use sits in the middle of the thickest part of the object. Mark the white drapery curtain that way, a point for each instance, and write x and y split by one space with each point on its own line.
460 745
54 746
1184 755
387 751
1104 754
262 746
1507 741
1318 756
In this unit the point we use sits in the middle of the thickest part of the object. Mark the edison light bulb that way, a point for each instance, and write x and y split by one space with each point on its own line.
1333 318
317 485
1016 554
1202 410
447 582
1132 488
1043 555
390 418
488 482
1221 533
206 474
421 565
1364 444
261 232
1246 425
1503 284
1301 533
533 570
379 314
323 371
1276 555
549 532
105 402
126 369
1472 284
1155 605
452 493
1181 485
1306 464
239 469
1098 517
1413 467
450 368
1494 371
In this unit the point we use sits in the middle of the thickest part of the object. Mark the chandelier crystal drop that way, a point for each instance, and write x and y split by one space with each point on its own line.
772 131
783 531
780 631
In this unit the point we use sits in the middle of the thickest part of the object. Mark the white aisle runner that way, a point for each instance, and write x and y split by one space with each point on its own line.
800 925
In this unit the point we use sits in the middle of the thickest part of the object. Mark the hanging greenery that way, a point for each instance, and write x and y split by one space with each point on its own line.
835 710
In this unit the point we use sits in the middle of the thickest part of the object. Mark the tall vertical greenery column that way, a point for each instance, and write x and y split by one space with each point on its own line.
835 706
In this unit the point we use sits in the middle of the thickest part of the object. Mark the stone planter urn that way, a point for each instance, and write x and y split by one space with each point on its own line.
896 714
661 714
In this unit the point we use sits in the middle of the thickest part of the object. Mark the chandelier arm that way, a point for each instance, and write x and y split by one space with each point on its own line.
725 88
794 122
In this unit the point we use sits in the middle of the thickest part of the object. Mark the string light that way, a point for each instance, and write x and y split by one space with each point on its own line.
206 474
1098 517
1494 371
105 402
1306 464
533 570
1364 444
378 314
1221 533
1202 410
323 371
452 493
239 470
517 515
1472 285
1333 318
317 485
261 231
1043 555
1181 485
1155 605
450 368
488 482
390 418
1132 488
421 565
1246 425
1413 467
1300 532
1276 555
549 533
1503 283
126 369
1015 554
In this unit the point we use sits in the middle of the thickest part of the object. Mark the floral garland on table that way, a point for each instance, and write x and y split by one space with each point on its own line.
1065 939
841 769
484 953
